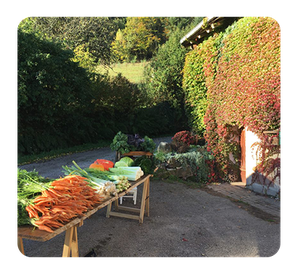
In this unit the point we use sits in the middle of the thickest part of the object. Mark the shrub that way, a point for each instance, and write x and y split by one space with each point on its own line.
198 161
186 137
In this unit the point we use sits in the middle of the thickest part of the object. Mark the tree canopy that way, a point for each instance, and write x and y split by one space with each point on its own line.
139 39
95 33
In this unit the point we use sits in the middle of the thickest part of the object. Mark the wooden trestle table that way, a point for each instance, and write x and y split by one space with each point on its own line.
70 248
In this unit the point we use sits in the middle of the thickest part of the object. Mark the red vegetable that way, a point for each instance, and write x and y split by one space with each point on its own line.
105 163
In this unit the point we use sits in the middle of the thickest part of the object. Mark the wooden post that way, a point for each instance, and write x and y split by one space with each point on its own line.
117 205
108 210
20 245
118 156
148 197
142 211
71 243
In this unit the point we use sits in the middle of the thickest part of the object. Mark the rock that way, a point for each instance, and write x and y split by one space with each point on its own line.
182 173
173 163
164 147
162 173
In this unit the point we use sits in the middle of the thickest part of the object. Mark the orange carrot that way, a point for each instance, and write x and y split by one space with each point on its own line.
31 212
62 188
54 192
46 228
39 209
67 198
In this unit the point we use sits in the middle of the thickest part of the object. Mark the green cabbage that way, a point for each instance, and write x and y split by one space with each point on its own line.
124 162
120 164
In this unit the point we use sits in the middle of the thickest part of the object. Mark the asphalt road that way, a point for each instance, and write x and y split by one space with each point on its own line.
183 222
53 168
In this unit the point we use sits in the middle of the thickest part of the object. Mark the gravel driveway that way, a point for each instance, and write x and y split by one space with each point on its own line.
183 222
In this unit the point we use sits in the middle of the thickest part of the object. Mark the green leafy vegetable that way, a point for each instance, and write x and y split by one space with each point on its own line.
120 143
120 164
30 185
146 164
125 162
148 144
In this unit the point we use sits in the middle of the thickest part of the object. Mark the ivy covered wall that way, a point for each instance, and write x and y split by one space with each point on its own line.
232 81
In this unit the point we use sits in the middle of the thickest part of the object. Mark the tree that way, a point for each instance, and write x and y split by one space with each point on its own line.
140 38
53 96
118 47
163 74
96 33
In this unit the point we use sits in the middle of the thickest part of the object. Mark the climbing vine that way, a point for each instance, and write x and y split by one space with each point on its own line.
236 79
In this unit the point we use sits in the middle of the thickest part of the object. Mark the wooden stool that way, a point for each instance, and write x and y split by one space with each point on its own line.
133 196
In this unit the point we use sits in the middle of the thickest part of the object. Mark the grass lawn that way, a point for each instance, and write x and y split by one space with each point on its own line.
134 72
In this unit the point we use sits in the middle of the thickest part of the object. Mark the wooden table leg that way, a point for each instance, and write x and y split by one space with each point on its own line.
144 195
71 243
108 210
20 245
74 243
144 208
117 205
147 198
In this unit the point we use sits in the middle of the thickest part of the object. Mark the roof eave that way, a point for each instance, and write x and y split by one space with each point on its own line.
185 40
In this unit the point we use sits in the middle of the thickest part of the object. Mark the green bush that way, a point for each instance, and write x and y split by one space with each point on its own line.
158 120
163 74
52 96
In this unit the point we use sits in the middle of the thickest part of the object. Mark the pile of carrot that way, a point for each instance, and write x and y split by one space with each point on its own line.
65 199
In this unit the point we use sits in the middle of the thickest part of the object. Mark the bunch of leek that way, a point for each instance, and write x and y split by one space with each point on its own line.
122 185
133 173
98 177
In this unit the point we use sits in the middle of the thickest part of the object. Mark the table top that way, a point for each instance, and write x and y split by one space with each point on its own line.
33 233
138 153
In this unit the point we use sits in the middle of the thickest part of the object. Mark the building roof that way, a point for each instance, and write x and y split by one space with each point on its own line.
205 28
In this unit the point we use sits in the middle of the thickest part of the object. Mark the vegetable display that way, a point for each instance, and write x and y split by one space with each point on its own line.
65 199
50 204
124 143
98 178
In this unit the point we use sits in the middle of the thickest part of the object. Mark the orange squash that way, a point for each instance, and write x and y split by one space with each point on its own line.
97 166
